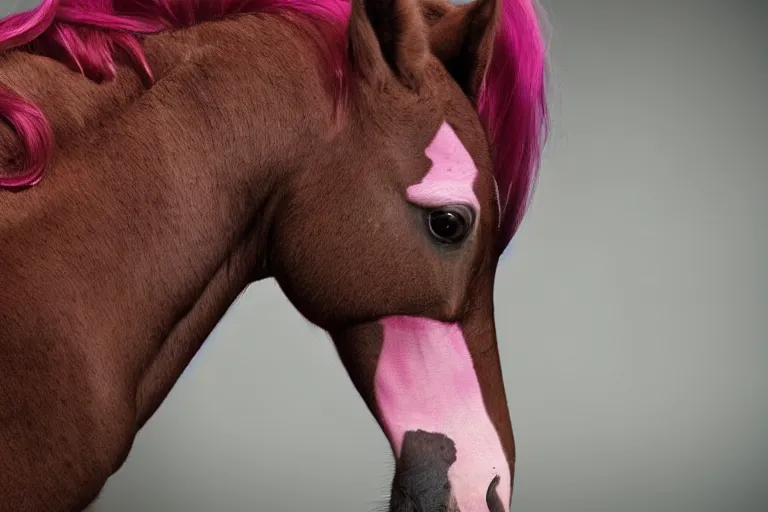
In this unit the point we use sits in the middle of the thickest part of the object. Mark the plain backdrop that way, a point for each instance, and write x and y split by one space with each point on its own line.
632 311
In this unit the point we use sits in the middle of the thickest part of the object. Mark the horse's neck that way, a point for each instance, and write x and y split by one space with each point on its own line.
144 231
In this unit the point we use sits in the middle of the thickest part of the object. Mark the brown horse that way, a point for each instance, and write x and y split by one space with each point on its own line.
374 157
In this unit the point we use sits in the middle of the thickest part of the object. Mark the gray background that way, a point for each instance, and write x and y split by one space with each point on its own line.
632 313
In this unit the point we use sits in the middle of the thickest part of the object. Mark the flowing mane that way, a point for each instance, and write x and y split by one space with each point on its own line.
88 35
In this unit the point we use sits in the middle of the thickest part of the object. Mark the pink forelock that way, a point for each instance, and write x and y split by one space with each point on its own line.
86 33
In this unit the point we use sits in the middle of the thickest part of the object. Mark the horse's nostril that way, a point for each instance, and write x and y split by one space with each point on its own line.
492 497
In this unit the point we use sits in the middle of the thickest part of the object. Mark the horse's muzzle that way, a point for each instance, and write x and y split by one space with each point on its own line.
421 477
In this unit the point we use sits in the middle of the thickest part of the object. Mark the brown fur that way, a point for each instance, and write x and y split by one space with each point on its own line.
161 205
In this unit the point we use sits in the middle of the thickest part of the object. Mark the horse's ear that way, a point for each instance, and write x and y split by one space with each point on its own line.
388 37
462 38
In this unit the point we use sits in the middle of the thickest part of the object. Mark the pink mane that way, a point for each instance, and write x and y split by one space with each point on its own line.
86 34
512 105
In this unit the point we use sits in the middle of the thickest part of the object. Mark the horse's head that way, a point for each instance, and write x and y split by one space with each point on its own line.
391 240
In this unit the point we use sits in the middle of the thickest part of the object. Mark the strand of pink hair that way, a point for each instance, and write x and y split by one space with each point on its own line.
511 104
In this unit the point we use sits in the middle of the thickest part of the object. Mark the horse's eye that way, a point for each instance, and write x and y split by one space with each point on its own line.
449 225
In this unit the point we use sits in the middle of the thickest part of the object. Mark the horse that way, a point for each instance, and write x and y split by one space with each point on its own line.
374 157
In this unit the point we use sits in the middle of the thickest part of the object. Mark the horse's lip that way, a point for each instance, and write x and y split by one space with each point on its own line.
408 503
